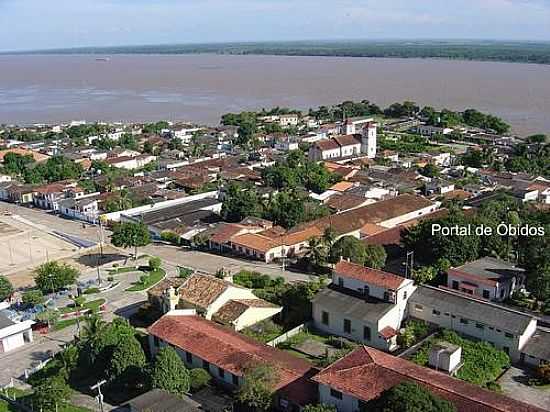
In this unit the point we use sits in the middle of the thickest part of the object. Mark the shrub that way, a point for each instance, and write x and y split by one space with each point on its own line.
155 263
89 291
169 372
543 373
33 297
6 288
199 378
170 237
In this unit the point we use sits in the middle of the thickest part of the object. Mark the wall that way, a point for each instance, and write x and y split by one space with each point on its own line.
493 334
230 293
346 404
254 315
336 327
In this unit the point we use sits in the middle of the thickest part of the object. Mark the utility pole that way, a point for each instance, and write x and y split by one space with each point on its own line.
99 396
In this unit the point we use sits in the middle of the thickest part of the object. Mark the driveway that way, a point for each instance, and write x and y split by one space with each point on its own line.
513 384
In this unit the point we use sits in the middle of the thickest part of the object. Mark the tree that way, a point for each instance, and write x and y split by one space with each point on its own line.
348 247
543 373
129 234
199 378
51 393
33 297
424 275
127 362
169 372
239 203
430 170
410 397
6 288
317 252
155 263
375 256
54 276
257 390
15 163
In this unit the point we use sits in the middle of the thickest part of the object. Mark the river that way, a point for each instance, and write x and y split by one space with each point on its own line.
199 88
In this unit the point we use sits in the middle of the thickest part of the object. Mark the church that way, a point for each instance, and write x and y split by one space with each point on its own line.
357 139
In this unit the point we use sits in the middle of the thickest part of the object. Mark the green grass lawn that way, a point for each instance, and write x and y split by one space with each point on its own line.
483 363
152 278
126 269
62 324
6 407
93 305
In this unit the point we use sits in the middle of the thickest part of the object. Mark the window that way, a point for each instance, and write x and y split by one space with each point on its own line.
455 284
156 341
464 321
506 350
405 295
386 296
235 379
366 333
486 294
188 357
336 394
366 290
509 335
436 312
205 365
347 326
221 372
419 308
341 282
324 318
480 326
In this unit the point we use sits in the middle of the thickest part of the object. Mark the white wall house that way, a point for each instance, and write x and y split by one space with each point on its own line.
364 305
14 334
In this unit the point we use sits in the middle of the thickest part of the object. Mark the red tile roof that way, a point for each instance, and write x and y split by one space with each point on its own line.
346 140
327 144
225 232
468 276
234 352
388 332
367 372
369 275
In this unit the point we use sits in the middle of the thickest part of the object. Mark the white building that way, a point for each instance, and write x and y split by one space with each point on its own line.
427 130
363 304
14 334
346 146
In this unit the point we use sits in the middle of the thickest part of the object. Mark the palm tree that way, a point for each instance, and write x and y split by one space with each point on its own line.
317 251
93 326
329 237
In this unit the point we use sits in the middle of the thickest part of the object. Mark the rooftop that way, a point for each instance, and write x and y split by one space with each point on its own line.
471 308
234 352
538 345
489 269
366 373
351 304
369 275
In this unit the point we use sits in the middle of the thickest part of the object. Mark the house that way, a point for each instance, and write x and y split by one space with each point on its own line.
364 374
48 196
14 334
488 277
129 162
363 304
85 208
290 119
504 328
438 187
536 351
218 300
228 355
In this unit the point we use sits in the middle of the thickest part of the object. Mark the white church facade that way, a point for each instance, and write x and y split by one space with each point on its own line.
358 139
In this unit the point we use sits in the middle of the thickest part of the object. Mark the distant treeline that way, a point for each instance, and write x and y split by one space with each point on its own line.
511 51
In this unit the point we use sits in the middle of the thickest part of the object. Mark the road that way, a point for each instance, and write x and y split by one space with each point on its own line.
172 255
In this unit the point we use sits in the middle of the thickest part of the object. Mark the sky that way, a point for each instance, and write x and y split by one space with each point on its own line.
43 24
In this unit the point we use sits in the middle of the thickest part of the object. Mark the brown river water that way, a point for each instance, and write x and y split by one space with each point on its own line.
50 88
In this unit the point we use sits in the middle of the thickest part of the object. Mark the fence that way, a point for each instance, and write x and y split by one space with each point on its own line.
289 334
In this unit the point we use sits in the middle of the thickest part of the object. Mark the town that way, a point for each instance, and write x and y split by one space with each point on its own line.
346 258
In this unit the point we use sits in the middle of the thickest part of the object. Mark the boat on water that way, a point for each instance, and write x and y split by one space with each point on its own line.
102 59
